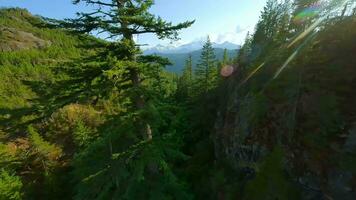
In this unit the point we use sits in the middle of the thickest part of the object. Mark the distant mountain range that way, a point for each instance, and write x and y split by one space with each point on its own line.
178 59
187 48
178 55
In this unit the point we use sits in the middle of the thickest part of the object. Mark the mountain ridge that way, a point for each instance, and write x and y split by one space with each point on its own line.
188 48
178 59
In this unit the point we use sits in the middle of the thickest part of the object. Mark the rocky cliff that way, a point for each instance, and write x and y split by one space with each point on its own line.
305 119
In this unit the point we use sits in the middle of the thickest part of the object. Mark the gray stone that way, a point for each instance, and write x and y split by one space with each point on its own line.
12 39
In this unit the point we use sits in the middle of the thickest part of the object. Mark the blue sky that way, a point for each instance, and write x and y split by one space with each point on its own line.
222 20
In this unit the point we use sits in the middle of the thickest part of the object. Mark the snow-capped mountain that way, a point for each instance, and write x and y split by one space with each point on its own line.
160 48
187 48
226 45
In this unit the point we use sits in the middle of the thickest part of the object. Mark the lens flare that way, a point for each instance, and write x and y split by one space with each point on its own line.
251 74
307 31
291 57
307 13
294 54
227 70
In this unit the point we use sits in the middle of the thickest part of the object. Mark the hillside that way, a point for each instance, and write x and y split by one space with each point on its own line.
36 68
31 52
89 119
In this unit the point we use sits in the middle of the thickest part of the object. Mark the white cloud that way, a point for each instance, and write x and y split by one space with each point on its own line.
227 36
236 35
240 29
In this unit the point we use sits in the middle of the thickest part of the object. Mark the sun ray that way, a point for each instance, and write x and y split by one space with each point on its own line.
251 74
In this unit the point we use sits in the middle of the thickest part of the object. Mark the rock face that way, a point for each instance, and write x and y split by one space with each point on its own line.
12 39
309 112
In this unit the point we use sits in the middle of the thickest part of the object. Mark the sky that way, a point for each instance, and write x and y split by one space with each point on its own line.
221 20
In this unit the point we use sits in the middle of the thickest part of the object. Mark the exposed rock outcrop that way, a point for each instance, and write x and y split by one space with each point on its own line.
12 39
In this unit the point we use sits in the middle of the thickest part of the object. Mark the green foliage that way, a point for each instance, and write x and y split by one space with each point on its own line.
82 134
10 186
271 181
132 139
185 82
206 71
73 126
106 122
133 14
129 169
30 77
46 154
244 55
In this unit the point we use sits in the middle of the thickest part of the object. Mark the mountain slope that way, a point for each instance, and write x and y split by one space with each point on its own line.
31 51
36 63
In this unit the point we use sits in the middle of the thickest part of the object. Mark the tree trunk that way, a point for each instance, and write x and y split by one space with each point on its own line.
145 128
140 104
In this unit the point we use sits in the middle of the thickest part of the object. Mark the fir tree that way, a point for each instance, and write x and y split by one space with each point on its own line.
244 54
127 166
271 30
225 57
206 70
122 20
188 69
225 61
185 80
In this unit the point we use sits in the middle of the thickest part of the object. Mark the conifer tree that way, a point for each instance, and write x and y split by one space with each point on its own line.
121 20
225 57
244 54
225 61
206 70
185 80
128 167
188 69
271 30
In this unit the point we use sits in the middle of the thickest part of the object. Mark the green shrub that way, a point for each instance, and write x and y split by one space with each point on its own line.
45 154
10 186
74 123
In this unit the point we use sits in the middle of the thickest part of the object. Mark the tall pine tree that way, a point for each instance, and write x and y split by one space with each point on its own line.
129 164
206 70
185 81
121 20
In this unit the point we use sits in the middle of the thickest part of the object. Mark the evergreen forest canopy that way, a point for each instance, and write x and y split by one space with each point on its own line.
86 118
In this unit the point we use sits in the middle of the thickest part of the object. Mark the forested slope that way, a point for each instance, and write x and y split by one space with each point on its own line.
82 118
33 78
30 51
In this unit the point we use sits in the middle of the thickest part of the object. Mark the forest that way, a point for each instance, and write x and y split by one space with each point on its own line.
88 118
